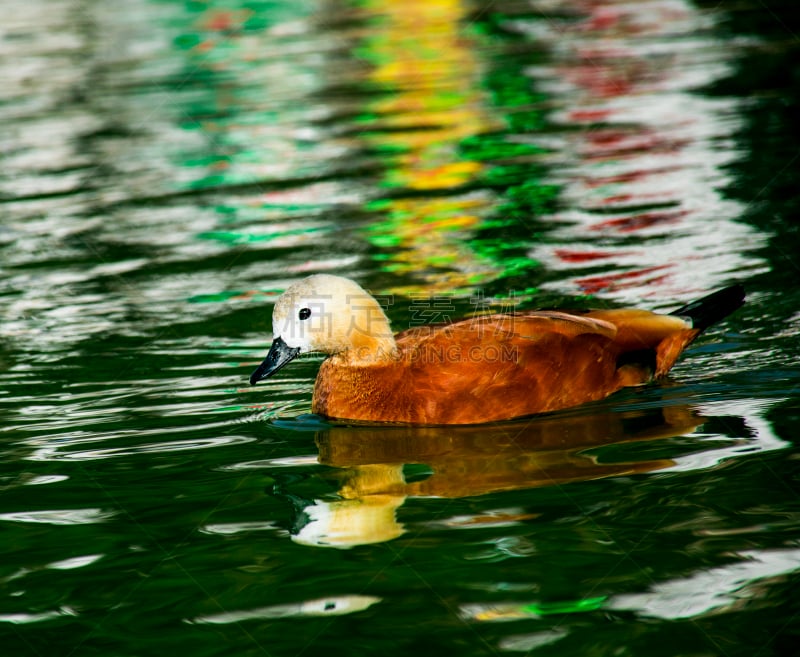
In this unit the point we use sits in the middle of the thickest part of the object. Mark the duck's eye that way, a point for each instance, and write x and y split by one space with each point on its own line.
304 313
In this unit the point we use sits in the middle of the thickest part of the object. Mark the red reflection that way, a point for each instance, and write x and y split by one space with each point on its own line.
638 135
567 255
627 279
627 177
640 221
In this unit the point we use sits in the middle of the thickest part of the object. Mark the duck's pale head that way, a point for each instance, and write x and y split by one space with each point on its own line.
328 314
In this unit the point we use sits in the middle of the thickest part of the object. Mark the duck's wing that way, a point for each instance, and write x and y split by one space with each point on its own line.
640 329
537 322
651 340
500 366
530 324
640 332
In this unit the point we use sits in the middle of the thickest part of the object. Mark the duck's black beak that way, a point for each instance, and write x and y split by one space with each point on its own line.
279 354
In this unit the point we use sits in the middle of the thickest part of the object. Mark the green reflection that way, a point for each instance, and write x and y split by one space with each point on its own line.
571 607
234 237
447 126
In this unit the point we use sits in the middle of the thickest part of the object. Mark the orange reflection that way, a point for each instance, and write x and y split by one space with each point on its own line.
469 461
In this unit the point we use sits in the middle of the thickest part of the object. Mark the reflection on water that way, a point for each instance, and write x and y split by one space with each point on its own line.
642 156
323 607
479 460
468 461
715 591
169 168
427 72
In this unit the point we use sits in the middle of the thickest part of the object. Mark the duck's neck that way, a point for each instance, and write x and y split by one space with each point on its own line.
365 349
369 338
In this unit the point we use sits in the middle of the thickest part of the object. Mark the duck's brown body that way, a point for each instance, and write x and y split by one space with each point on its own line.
502 366
489 368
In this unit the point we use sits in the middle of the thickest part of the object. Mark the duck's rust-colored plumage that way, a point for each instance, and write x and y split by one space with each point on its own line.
501 366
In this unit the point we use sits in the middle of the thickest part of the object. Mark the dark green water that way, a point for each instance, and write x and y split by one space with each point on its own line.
169 167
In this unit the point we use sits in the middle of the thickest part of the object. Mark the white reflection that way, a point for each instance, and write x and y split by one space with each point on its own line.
643 158
718 590
714 591
24 619
74 562
64 564
762 438
347 523
528 642
283 462
57 452
45 479
229 528
333 606
59 516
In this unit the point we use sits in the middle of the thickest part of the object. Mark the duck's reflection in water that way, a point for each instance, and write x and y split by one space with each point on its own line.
467 461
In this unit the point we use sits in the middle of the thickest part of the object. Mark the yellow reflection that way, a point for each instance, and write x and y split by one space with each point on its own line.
429 237
420 52
469 461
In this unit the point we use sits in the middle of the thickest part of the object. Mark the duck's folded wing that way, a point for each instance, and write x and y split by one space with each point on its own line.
530 324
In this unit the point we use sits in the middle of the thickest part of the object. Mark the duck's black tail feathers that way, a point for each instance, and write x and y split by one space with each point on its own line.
712 308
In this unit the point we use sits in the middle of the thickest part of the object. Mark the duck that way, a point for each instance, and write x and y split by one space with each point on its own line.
477 370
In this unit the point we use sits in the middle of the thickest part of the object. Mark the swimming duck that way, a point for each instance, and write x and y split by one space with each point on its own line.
483 369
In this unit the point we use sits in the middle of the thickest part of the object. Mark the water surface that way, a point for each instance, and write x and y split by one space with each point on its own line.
169 168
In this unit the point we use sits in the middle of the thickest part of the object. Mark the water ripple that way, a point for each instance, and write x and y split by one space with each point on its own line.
332 606
60 516
68 453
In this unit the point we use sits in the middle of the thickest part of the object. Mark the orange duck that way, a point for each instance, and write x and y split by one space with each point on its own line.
484 369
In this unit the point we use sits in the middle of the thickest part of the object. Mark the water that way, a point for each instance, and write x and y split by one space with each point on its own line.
169 168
